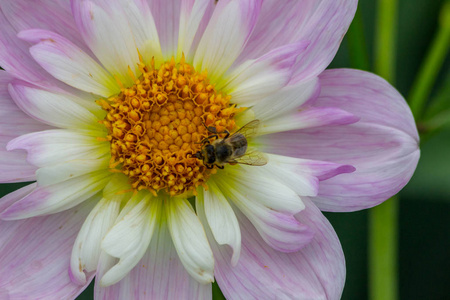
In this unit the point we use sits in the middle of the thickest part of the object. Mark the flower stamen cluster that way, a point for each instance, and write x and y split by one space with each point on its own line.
156 126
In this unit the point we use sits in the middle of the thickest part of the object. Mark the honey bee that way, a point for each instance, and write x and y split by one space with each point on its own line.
232 149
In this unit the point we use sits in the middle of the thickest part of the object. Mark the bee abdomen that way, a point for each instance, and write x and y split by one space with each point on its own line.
223 152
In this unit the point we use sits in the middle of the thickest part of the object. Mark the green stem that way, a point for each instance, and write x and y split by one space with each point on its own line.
385 39
383 251
359 58
432 64
383 219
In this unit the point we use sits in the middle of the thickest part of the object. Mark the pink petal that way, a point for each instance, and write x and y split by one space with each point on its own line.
15 196
315 272
323 23
256 79
35 256
20 15
15 58
159 275
43 14
382 146
13 123
166 14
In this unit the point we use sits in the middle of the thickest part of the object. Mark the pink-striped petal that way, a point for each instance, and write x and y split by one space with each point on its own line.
256 79
311 117
315 272
158 275
382 146
226 35
44 14
35 256
13 197
322 23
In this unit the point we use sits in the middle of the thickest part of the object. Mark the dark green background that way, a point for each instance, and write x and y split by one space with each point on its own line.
424 230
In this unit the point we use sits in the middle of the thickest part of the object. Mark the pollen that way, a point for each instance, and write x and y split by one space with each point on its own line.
157 125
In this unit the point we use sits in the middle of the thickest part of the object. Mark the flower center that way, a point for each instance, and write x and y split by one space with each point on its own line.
156 127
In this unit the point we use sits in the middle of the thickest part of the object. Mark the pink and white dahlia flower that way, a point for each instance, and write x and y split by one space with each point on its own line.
119 113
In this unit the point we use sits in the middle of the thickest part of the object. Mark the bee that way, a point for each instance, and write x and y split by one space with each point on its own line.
232 149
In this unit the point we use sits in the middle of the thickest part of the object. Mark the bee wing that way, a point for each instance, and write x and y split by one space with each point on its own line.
252 158
249 129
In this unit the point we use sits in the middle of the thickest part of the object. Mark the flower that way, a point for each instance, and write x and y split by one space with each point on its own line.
121 106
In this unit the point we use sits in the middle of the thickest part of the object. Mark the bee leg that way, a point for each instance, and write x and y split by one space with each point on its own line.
225 131
220 167
209 166
211 129
206 140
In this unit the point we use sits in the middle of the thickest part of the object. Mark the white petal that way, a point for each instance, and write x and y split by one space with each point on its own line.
70 169
128 240
68 63
264 188
225 37
57 197
53 109
221 218
109 36
55 146
140 19
279 229
158 275
86 249
190 240
291 175
287 99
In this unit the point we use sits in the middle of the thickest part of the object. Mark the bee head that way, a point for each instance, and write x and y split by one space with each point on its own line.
198 155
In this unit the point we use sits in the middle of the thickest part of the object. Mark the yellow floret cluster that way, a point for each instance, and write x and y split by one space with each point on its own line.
157 125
